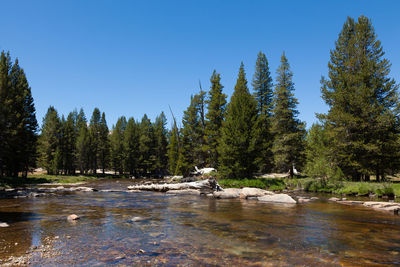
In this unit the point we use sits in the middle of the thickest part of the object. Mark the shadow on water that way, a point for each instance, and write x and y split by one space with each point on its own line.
13 216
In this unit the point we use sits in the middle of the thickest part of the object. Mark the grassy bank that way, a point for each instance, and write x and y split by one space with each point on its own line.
317 185
32 179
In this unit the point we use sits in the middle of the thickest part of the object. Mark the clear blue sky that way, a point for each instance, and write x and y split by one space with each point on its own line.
130 57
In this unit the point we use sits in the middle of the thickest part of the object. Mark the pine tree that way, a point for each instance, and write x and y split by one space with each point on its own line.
5 88
131 146
263 92
146 147
237 151
69 143
18 123
363 101
117 145
216 104
82 143
191 152
288 130
104 143
95 139
49 141
173 150
161 143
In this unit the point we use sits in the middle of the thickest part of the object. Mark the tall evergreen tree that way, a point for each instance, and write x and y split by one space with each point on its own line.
131 146
173 149
363 103
104 144
5 88
161 143
69 143
117 145
237 151
95 139
288 130
49 141
191 153
146 147
216 104
263 92
82 143
18 123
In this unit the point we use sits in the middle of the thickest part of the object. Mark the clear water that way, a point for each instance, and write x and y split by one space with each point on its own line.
194 231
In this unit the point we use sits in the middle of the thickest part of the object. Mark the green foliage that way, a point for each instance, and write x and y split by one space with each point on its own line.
216 104
263 183
49 142
363 101
18 123
82 143
289 132
161 145
104 144
263 92
173 150
319 162
146 147
131 146
117 145
191 152
237 146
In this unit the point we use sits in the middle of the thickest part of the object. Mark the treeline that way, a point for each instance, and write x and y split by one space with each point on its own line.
258 131
74 144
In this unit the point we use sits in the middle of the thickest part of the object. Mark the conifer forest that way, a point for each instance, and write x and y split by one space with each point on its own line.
256 131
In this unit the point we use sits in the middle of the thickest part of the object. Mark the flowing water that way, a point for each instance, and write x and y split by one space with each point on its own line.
193 231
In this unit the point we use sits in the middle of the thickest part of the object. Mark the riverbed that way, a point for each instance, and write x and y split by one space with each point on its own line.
192 231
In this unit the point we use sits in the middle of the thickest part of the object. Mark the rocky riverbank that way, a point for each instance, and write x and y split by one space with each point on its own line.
391 207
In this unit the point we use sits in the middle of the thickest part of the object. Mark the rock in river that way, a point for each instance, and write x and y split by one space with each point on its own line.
278 198
247 192
3 224
73 217
227 193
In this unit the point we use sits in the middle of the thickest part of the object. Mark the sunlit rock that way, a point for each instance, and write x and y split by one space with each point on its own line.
278 198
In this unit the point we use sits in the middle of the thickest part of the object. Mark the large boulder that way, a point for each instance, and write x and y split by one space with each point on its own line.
248 192
227 193
277 198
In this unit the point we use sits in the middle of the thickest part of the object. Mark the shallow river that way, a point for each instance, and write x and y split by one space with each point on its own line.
193 231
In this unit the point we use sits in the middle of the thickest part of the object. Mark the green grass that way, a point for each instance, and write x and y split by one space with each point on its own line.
316 185
345 187
10 182
275 184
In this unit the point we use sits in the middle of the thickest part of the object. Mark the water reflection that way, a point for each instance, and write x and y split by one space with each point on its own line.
192 230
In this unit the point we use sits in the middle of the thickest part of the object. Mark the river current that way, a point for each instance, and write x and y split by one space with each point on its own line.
193 231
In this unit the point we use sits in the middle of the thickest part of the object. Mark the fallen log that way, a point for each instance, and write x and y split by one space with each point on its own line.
205 186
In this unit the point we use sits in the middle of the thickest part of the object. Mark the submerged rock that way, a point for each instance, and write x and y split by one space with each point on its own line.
278 198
